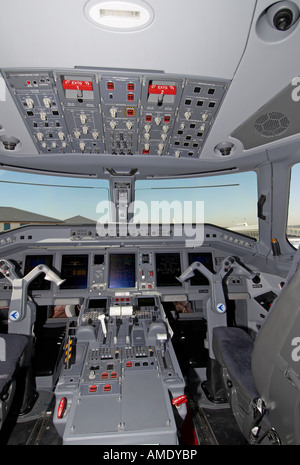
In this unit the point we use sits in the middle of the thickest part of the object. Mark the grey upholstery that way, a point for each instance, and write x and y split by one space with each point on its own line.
17 355
233 348
15 346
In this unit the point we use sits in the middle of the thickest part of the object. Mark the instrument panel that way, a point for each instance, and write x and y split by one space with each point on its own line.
116 267
110 270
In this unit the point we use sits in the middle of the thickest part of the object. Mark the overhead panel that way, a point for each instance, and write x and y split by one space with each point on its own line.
115 112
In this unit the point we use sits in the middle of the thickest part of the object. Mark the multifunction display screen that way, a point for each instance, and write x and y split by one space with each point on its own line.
74 269
121 270
168 269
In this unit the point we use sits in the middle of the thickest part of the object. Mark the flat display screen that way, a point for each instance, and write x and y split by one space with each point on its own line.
206 259
168 268
39 283
146 302
74 269
97 303
121 270
98 259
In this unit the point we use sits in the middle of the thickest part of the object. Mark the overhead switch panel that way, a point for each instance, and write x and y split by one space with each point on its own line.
116 113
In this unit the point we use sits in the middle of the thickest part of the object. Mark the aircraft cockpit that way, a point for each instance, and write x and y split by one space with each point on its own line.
149 224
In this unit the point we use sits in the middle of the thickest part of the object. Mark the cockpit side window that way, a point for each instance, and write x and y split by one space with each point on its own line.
293 222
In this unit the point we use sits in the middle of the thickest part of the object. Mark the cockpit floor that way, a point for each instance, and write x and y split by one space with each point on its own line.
212 427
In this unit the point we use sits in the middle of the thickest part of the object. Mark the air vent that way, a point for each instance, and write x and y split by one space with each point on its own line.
119 16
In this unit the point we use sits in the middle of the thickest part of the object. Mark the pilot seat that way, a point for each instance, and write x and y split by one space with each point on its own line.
261 377
16 380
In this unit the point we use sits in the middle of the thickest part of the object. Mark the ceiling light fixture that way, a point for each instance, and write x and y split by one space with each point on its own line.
119 16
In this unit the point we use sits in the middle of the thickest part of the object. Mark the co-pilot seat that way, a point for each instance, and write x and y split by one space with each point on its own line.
262 378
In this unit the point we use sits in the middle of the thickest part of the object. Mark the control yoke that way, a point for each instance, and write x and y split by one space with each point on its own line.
19 286
216 306
229 264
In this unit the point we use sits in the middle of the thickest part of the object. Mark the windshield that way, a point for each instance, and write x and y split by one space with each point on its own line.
228 201
39 199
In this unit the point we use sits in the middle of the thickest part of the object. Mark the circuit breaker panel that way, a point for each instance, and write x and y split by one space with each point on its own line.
95 112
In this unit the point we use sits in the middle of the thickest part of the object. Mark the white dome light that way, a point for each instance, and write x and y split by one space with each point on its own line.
119 15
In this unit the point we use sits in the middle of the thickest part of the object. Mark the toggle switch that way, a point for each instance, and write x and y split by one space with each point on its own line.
29 103
113 112
83 118
47 102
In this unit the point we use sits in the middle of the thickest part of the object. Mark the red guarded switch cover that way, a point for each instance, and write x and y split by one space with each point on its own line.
162 89
71 84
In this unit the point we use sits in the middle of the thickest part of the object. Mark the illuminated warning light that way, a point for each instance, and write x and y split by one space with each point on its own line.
162 89
93 388
107 388
129 111
61 407
70 84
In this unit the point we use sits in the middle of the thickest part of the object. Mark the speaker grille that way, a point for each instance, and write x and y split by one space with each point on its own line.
272 124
